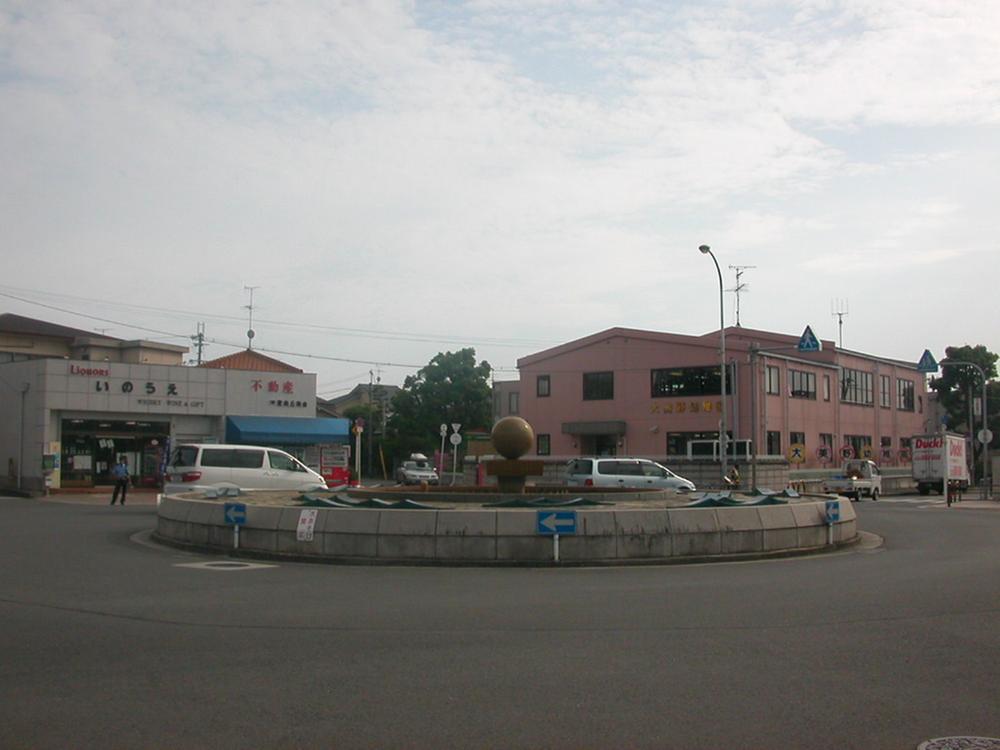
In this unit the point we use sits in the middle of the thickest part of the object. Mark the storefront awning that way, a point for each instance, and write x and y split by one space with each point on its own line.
593 428
287 430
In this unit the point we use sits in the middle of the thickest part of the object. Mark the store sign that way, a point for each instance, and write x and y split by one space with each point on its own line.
164 389
682 407
284 393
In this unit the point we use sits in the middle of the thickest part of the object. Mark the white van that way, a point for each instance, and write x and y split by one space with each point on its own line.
624 472
196 467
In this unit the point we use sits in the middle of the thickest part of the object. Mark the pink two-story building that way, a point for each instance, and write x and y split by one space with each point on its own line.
631 392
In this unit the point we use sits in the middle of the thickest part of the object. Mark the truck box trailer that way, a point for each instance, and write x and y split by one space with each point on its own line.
937 460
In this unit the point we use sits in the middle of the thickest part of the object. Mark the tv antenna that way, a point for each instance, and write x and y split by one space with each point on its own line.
250 333
740 287
839 308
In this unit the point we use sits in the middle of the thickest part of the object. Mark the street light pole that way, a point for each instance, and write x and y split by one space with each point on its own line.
723 449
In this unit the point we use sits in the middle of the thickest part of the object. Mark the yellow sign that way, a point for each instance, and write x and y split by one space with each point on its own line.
797 453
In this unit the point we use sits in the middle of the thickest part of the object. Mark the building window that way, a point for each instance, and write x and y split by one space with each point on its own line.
825 438
904 394
677 443
862 444
803 384
796 437
689 381
772 380
543 386
856 387
598 386
884 397
905 443
513 403
826 387
773 443
543 445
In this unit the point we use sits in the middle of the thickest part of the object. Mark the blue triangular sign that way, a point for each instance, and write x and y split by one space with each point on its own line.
927 362
809 342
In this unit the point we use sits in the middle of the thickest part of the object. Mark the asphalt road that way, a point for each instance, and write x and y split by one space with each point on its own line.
106 643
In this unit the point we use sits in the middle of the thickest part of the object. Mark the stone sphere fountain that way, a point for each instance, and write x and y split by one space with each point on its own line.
513 437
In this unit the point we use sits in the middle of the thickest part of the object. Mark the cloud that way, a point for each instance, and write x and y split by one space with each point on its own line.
528 166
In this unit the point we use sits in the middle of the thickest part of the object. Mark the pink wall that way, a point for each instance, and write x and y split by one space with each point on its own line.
632 354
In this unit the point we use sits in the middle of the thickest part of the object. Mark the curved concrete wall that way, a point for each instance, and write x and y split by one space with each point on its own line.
508 537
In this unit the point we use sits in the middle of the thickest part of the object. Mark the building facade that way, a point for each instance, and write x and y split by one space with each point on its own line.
70 407
626 391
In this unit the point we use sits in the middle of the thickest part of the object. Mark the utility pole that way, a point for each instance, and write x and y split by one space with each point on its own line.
199 340
250 331
371 421
740 287
839 308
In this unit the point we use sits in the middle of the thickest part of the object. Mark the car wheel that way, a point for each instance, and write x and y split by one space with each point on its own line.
875 496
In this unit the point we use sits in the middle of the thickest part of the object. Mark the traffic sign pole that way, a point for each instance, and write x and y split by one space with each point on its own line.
555 547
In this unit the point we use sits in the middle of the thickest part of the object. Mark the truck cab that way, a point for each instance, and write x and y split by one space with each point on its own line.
856 480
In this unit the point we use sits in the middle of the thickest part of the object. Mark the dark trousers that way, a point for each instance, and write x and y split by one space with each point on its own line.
121 484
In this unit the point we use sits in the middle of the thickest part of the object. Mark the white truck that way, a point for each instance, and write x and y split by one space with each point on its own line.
856 480
937 460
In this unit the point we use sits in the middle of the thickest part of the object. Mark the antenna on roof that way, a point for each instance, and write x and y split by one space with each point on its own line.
740 287
250 333
839 308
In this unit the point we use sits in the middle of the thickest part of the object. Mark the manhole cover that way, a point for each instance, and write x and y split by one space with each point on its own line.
961 743
223 565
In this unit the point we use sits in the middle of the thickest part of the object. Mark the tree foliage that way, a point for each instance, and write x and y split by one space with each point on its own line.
958 384
452 387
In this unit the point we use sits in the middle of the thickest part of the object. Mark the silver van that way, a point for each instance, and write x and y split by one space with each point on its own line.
196 467
624 472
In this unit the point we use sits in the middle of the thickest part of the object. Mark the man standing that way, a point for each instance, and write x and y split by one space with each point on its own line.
120 474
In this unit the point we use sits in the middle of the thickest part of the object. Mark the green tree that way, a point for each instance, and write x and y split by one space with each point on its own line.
958 386
452 387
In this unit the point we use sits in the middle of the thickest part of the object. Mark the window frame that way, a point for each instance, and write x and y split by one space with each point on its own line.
772 380
598 390
802 378
543 444
547 389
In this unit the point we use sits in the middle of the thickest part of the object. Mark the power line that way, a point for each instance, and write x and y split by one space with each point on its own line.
354 332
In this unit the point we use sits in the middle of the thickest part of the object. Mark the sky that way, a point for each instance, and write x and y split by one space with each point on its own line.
397 179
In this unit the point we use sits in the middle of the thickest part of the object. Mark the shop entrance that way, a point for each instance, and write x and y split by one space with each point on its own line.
91 447
598 445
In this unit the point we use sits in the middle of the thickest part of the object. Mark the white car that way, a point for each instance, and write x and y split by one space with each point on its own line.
624 472
198 467
416 471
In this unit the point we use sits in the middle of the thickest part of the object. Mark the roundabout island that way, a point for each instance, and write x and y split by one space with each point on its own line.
510 524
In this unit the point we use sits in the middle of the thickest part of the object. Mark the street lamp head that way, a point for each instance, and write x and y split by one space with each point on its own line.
704 249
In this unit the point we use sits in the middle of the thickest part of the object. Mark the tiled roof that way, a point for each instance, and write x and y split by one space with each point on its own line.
11 323
248 359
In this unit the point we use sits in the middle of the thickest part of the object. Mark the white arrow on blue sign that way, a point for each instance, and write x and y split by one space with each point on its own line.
808 342
556 522
832 511
235 513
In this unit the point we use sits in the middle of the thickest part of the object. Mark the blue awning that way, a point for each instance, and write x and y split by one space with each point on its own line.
287 430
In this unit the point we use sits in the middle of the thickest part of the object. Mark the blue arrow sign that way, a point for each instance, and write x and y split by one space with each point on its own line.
927 362
236 514
556 522
832 511
808 342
